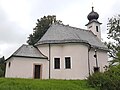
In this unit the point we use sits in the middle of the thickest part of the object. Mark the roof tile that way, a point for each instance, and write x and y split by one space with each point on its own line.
59 33
28 51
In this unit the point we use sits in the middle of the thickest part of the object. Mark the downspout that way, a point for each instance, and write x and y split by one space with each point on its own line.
96 58
89 48
49 60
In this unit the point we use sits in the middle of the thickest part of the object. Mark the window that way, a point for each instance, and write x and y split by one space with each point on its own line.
9 64
96 69
57 63
97 28
67 63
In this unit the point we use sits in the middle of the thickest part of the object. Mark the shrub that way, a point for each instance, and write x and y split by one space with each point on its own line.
95 80
2 67
109 80
1 73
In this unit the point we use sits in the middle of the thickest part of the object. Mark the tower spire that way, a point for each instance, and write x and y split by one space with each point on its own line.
93 24
92 8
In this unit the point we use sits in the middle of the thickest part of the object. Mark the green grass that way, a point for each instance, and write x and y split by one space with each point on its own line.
31 84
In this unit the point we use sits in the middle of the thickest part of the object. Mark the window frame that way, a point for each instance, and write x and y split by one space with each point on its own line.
65 66
55 63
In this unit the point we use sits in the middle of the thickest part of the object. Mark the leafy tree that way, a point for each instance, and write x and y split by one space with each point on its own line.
2 67
114 36
41 27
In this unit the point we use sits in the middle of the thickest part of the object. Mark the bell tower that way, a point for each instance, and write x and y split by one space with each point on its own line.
93 24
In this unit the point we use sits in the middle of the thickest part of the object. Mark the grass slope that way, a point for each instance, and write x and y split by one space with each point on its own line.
31 84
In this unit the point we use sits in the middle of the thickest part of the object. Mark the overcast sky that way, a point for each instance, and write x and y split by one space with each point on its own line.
18 17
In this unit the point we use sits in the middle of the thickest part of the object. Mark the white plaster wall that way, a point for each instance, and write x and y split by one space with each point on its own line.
102 58
79 60
79 56
92 27
24 67
8 70
44 49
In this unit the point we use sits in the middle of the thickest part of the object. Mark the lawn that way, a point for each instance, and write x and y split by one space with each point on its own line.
31 84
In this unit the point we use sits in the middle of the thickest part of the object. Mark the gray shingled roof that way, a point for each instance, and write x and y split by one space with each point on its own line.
59 33
28 51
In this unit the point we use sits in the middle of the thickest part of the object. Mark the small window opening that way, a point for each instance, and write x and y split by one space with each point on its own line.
96 69
9 64
97 28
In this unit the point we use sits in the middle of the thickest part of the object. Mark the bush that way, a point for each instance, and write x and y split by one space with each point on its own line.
2 70
109 80
95 80
1 73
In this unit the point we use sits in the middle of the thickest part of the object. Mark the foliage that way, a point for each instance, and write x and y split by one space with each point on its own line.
114 36
95 79
116 61
2 67
31 84
41 27
109 80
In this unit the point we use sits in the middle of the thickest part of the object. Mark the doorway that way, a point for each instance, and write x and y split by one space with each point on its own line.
37 71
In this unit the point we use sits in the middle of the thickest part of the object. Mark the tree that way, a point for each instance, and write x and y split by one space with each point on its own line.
114 36
41 27
2 67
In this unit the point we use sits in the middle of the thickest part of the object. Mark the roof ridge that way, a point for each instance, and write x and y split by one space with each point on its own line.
72 27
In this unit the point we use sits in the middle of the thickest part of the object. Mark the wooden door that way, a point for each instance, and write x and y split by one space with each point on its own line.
37 72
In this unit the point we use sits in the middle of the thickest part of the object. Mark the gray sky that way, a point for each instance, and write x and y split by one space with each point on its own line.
18 17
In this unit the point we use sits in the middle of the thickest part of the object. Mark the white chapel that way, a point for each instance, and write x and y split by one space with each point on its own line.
64 52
